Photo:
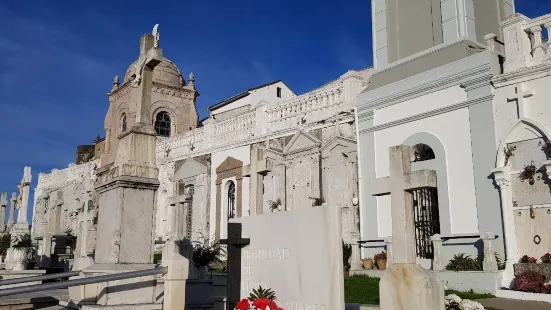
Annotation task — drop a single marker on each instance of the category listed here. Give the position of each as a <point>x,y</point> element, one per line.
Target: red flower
<point>278,308</point>
<point>242,305</point>
<point>262,303</point>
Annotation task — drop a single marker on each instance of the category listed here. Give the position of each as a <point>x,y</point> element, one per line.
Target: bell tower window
<point>162,124</point>
<point>123,123</point>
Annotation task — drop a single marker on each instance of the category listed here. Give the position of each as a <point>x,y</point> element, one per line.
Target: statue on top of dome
<point>156,35</point>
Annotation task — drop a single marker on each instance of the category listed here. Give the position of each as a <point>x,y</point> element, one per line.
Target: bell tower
<point>402,28</point>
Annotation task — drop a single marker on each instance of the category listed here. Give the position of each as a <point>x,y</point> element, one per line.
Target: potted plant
<point>205,254</point>
<point>316,202</point>
<point>368,263</point>
<point>527,260</point>
<point>546,258</point>
<point>275,205</point>
<point>5,242</point>
<point>261,299</point>
<point>380,260</point>
<point>25,246</point>
<point>528,173</point>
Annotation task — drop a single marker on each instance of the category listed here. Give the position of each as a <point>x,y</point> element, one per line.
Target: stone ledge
<point>124,307</point>
<point>509,294</point>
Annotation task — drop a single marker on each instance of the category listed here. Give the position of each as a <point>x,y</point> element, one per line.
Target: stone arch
<point>525,127</point>
<point>438,164</point>
<point>172,110</point>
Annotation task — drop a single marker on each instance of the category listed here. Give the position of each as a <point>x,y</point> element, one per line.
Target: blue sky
<point>58,60</point>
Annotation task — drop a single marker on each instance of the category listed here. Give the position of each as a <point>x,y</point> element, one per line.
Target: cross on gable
<point>399,185</point>
<point>235,242</point>
<point>520,95</point>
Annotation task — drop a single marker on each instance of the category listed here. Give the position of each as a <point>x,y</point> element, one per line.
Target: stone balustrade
<point>59,178</point>
<point>525,45</point>
<point>233,130</point>
<point>489,263</point>
<point>308,108</point>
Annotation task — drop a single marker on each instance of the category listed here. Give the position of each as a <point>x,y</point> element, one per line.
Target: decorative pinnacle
<point>191,79</point>
<point>116,82</point>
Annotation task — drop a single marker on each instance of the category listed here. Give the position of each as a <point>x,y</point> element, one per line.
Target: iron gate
<point>427,220</point>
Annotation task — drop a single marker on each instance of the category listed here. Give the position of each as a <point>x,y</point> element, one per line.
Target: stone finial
<point>191,79</point>
<point>116,83</point>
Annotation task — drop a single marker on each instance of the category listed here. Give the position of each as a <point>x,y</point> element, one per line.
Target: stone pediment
<point>301,141</point>
<point>189,168</point>
<point>229,164</point>
<point>338,143</point>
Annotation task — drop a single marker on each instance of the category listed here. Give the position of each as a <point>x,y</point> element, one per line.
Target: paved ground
<point>33,297</point>
<point>513,304</point>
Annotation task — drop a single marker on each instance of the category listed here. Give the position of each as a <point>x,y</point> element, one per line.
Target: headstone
<point>23,199</point>
<point>406,285</point>
<point>297,254</point>
<point>3,205</point>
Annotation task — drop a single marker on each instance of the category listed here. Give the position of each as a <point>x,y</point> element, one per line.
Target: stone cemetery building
<point>263,150</point>
<point>460,97</point>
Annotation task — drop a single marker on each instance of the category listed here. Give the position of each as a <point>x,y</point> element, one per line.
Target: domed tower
<point>172,105</point>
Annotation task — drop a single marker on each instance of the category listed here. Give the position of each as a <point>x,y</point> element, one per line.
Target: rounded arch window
<point>231,200</point>
<point>421,152</point>
<point>162,124</point>
<point>123,122</point>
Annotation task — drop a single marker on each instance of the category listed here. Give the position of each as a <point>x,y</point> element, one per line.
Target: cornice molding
<point>420,116</point>
<point>476,73</point>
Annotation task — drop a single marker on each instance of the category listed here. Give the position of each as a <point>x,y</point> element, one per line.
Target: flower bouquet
<point>454,302</point>
<point>261,299</point>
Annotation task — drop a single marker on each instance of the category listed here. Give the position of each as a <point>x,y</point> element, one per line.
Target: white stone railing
<point>233,130</point>
<point>525,45</point>
<point>59,178</point>
<point>307,108</point>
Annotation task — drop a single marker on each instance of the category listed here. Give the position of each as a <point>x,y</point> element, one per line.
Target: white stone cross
<point>150,57</point>
<point>23,199</point>
<point>520,95</point>
<point>399,185</point>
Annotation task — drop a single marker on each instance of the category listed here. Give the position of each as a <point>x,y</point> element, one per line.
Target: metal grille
<point>427,220</point>
<point>231,200</point>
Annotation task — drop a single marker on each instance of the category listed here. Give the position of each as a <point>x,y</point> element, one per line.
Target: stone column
<point>58,204</point>
<point>355,259</point>
<point>502,178</point>
<point>13,202</point>
<point>537,50</point>
<point>437,263</point>
<point>489,263</point>
<point>175,278</point>
<point>218,209</point>
<point>388,246</point>
<point>3,205</point>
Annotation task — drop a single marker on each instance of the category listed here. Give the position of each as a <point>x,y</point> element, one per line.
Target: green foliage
<point>346,253</point>
<point>361,289</point>
<point>23,242</point>
<point>364,290</point>
<point>5,243</point>
<point>471,295</point>
<point>205,253</point>
<point>463,262</point>
<point>157,257</point>
<point>262,293</point>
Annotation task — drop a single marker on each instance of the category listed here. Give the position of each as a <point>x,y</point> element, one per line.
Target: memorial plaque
<point>298,254</point>
<point>525,194</point>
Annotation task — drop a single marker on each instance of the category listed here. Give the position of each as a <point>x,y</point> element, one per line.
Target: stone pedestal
<point>411,287</point>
